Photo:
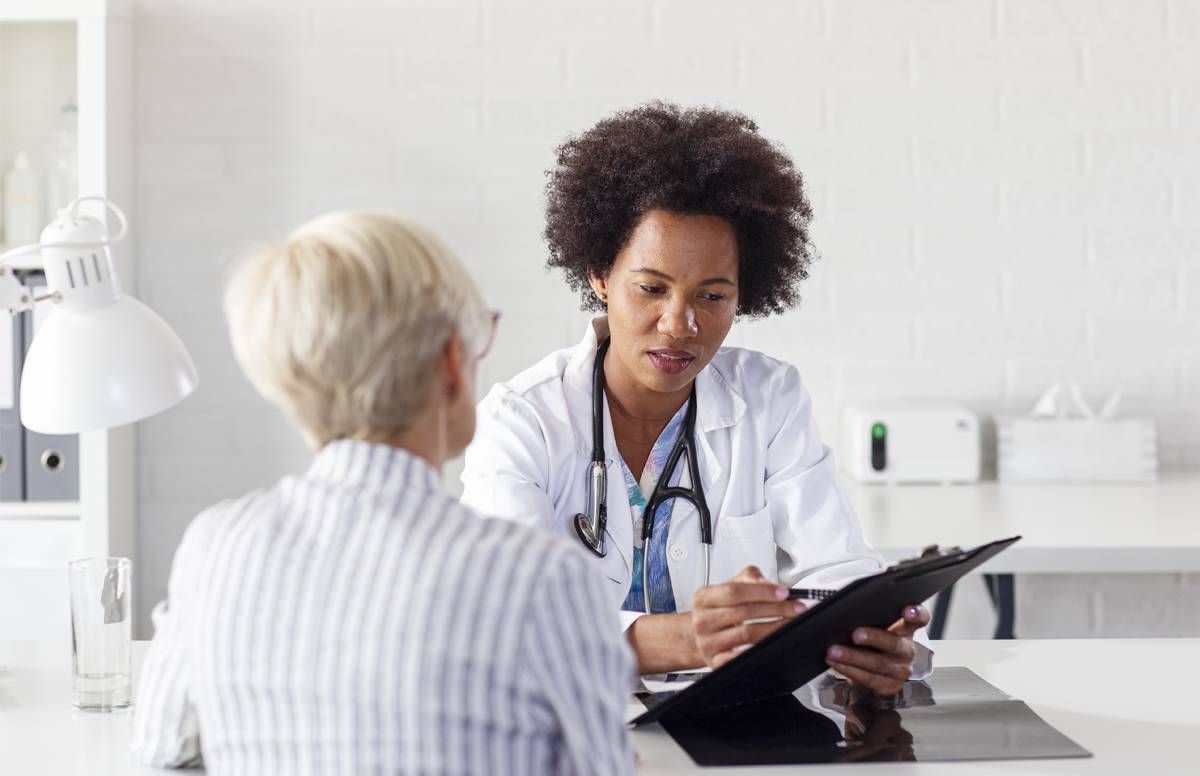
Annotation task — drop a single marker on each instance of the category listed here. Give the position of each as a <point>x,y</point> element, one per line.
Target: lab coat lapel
<point>577,380</point>
<point>718,406</point>
<point>620,514</point>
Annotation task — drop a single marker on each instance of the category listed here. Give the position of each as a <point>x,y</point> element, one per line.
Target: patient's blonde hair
<point>342,325</point>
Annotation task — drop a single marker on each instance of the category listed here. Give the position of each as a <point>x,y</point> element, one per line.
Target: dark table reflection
<point>955,716</point>
<point>783,730</point>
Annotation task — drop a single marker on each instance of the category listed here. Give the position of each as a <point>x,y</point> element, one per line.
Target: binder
<point>51,460</point>
<point>793,655</point>
<point>12,435</point>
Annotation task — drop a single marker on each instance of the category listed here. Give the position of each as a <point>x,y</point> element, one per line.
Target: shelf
<point>48,509</point>
<point>53,52</point>
<point>62,10</point>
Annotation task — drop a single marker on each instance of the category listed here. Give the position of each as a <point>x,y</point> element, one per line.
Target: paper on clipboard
<point>672,682</point>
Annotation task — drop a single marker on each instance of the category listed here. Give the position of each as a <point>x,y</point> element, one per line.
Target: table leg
<point>1001,588</point>
<point>941,609</point>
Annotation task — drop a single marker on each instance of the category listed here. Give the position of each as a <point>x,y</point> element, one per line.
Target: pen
<point>810,593</point>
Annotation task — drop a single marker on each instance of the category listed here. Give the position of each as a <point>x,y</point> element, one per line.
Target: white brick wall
<point>1006,194</point>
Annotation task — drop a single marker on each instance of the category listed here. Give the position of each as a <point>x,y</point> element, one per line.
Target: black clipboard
<point>795,654</point>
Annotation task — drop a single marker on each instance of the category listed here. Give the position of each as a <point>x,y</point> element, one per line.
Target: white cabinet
<point>53,52</point>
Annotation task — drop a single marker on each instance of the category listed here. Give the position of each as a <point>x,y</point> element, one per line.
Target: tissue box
<point>1076,450</point>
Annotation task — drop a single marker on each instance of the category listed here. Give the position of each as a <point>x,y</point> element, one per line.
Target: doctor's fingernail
<point>911,612</point>
<point>835,653</point>
<point>861,636</point>
<point>781,593</point>
<point>799,607</point>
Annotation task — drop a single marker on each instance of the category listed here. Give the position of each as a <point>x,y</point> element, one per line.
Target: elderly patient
<point>355,618</point>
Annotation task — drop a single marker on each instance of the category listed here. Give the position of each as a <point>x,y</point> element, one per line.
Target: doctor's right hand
<point>729,617</point>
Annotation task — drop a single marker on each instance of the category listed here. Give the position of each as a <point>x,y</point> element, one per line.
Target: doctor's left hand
<point>880,660</point>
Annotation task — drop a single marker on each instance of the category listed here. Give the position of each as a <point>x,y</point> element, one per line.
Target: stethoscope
<point>590,525</point>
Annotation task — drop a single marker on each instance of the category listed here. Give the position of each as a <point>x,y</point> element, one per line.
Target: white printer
<point>911,442</point>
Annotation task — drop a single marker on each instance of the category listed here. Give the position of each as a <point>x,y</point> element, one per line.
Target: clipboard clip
<point>929,553</point>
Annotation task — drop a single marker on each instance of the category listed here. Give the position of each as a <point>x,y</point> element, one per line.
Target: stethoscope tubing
<point>591,526</point>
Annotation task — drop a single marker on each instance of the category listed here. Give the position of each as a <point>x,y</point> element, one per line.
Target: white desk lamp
<point>101,358</point>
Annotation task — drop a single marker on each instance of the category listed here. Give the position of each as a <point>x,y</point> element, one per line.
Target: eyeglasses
<point>491,338</point>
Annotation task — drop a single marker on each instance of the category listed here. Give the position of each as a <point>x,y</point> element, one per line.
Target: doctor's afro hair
<point>702,161</point>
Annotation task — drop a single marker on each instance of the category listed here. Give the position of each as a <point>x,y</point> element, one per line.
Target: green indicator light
<point>878,431</point>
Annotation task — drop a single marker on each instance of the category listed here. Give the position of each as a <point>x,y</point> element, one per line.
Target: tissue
<point>1064,440</point>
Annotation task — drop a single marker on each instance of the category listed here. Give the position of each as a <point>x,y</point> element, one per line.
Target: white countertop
<point>1066,528</point>
<point>1131,702</point>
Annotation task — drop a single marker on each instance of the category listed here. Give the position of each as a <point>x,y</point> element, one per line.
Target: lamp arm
<point>73,210</point>
<point>14,297</point>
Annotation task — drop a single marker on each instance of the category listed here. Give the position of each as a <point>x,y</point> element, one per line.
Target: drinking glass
<point>100,633</point>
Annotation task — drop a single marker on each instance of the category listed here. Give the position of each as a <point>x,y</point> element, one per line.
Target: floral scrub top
<point>662,597</point>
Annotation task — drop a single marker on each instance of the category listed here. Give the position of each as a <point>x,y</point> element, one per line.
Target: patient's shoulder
<point>527,550</point>
<point>213,524</point>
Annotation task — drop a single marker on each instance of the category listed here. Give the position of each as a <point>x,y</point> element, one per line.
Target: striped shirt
<point>357,619</point>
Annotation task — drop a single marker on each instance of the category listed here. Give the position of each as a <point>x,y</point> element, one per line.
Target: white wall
<point>1006,193</point>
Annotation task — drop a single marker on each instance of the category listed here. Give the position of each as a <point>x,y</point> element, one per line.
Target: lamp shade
<point>102,367</point>
<point>100,358</point>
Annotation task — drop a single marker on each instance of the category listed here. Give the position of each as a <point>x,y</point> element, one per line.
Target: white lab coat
<point>770,482</point>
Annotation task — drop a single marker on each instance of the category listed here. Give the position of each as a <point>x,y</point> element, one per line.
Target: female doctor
<point>672,222</point>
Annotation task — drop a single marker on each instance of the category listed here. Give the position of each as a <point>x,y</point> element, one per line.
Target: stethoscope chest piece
<point>590,525</point>
<point>583,527</point>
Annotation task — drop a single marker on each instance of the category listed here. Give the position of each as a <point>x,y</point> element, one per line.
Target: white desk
<point>1129,702</point>
<point>1067,529</point>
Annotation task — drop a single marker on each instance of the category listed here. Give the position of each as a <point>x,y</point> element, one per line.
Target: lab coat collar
<point>718,404</point>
